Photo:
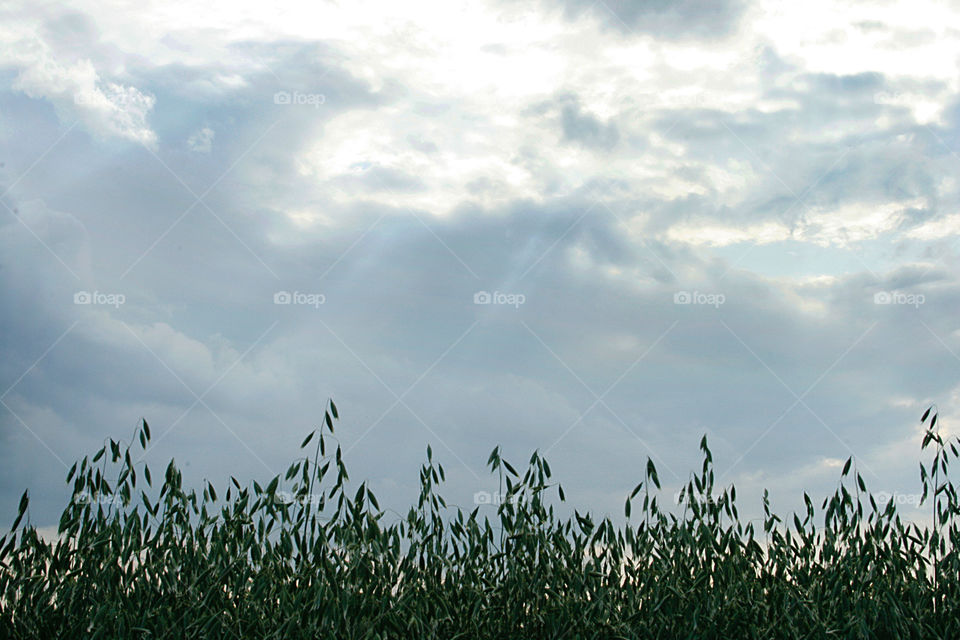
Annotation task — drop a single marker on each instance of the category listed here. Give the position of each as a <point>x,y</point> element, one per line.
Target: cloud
<point>477,147</point>
<point>75,87</point>
<point>703,19</point>
<point>202,140</point>
<point>841,227</point>
<point>107,108</point>
<point>585,128</point>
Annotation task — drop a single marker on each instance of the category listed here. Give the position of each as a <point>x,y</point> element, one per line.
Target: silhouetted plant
<point>301,558</point>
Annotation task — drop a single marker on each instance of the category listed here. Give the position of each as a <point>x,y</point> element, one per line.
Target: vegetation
<point>301,558</point>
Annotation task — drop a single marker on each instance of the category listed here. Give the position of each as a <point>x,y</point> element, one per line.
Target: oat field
<point>143,556</point>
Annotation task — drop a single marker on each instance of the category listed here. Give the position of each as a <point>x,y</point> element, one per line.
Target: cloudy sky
<point>597,229</point>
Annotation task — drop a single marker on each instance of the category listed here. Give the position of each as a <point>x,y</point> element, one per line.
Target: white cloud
<point>937,229</point>
<point>855,222</point>
<point>720,235</point>
<point>77,90</point>
<point>902,40</point>
<point>839,227</point>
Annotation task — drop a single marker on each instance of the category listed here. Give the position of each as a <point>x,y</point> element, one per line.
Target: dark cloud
<point>585,128</point>
<point>702,19</point>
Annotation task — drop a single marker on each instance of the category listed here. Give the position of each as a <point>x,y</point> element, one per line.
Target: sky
<point>600,230</point>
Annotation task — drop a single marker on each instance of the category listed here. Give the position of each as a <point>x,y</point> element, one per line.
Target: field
<point>144,557</point>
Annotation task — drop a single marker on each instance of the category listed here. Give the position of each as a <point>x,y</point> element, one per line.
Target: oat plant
<point>304,557</point>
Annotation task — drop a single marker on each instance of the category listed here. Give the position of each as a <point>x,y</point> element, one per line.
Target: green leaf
<point>307,440</point>
<point>24,501</point>
<point>652,473</point>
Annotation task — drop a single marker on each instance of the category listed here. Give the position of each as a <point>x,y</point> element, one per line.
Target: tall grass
<point>272,562</point>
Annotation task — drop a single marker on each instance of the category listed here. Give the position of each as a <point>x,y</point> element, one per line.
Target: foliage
<point>316,562</point>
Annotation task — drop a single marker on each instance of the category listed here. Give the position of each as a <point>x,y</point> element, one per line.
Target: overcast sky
<point>597,229</point>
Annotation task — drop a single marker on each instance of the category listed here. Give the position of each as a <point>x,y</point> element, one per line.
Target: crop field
<point>143,556</point>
